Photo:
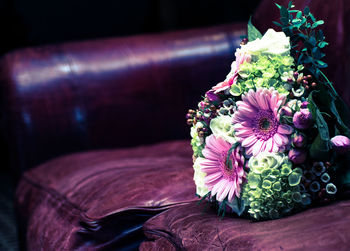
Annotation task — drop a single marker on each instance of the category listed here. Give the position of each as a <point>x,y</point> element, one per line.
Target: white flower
<point>294,104</point>
<point>267,160</point>
<point>222,127</point>
<point>198,178</point>
<point>194,134</point>
<point>275,43</point>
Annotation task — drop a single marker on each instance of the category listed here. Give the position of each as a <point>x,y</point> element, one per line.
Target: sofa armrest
<point>109,93</point>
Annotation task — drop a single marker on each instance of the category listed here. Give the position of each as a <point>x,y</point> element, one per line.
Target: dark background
<point>25,23</point>
<point>35,22</point>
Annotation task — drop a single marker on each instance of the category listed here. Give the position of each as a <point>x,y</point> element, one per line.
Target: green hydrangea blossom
<point>222,126</point>
<point>272,189</point>
<point>197,142</point>
<point>264,71</point>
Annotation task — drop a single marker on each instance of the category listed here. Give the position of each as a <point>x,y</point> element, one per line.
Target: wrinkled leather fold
<point>100,200</point>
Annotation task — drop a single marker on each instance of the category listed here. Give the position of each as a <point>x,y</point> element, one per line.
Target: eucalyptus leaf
<point>315,24</point>
<point>321,64</point>
<point>312,17</point>
<point>322,44</point>
<point>299,14</point>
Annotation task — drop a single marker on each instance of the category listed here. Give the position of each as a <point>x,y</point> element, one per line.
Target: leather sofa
<point>97,131</point>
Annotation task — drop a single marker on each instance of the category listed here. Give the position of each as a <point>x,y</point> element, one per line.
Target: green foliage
<point>323,105</point>
<point>264,71</point>
<point>307,39</point>
<point>253,33</point>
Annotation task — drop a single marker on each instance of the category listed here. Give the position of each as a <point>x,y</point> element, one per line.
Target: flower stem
<point>329,82</point>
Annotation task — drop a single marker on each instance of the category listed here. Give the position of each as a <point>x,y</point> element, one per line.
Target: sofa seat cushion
<point>190,227</point>
<point>101,198</point>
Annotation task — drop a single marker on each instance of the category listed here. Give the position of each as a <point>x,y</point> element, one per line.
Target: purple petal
<point>285,129</point>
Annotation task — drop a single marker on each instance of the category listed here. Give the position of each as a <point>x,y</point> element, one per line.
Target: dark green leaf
<point>299,14</point>
<point>321,64</point>
<point>316,114</point>
<point>301,35</point>
<point>344,130</point>
<point>316,53</point>
<point>253,33</point>
<point>312,17</point>
<point>284,20</point>
<point>306,11</point>
<point>279,6</point>
<point>314,25</point>
<point>320,35</point>
<point>287,31</point>
<point>307,59</point>
<point>296,21</point>
<point>284,12</point>
<point>320,149</point>
<point>277,23</point>
<point>312,41</point>
<point>322,44</point>
<point>290,4</point>
<point>303,20</point>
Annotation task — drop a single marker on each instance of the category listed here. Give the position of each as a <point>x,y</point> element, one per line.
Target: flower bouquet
<point>272,138</point>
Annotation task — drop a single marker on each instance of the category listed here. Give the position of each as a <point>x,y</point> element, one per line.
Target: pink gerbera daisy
<point>223,168</point>
<point>256,122</point>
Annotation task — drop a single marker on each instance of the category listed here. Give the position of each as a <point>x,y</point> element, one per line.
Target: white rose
<point>275,43</point>
<point>222,127</point>
<point>198,178</point>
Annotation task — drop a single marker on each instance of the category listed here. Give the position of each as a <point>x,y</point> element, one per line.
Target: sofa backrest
<point>109,93</point>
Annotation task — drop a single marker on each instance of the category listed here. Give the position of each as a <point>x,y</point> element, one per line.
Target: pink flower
<point>341,144</point>
<point>223,168</point>
<point>256,122</point>
<point>297,156</point>
<point>222,86</point>
<point>299,140</point>
<point>231,78</point>
<point>303,119</point>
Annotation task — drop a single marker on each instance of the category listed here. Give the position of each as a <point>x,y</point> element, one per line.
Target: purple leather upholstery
<point>191,227</point>
<point>117,93</point>
<point>109,93</point>
<point>100,199</point>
